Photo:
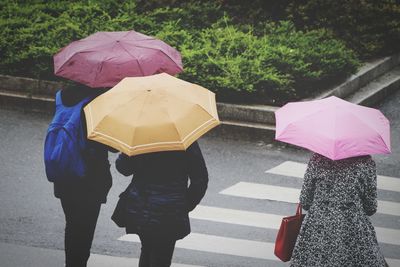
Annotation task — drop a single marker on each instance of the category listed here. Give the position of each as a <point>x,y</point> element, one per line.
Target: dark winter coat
<point>337,232</point>
<point>97,183</point>
<point>159,198</point>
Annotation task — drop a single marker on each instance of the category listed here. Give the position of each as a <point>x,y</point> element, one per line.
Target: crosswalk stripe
<point>388,236</point>
<point>248,218</point>
<point>263,191</point>
<point>289,168</point>
<point>296,169</point>
<point>220,245</point>
<point>98,260</point>
<point>393,262</point>
<point>291,195</point>
<point>270,221</point>
<point>228,246</point>
<point>388,207</point>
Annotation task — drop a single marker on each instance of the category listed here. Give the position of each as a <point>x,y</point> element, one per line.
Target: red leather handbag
<point>287,235</point>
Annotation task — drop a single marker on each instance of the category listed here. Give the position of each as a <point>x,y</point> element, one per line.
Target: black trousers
<point>157,250</point>
<point>81,218</point>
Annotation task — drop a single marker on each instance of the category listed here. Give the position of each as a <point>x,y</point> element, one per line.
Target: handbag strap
<point>299,209</point>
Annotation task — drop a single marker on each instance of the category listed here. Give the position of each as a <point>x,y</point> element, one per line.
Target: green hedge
<point>282,64</point>
<point>370,27</point>
<point>272,63</point>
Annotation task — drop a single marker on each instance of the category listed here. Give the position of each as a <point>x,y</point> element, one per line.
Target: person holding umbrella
<point>158,199</point>
<point>155,122</point>
<point>339,190</point>
<point>81,195</point>
<point>100,60</point>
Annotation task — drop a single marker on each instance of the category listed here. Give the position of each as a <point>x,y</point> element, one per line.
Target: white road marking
<point>228,246</point>
<point>289,168</point>
<point>291,195</point>
<point>221,245</point>
<point>264,250</point>
<point>393,262</point>
<point>270,221</point>
<point>296,169</point>
<point>97,260</point>
<point>248,218</point>
<point>388,207</point>
<point>388,236</point>
<point>263,191</point>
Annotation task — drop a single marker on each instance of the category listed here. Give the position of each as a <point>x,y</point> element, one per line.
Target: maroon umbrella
<point>103,59</point>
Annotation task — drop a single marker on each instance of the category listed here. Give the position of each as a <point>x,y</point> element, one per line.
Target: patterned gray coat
<point>339,196</point>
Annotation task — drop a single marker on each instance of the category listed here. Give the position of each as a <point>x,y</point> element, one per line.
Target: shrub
<point>271,64</point>
<point>283,64</point>
<point>312,59</point>
<point>31,34</point>
<point>370,27</point>
<point>190,15</point>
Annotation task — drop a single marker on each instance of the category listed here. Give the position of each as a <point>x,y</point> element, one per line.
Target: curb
<point>369,72</point>
<point>265,114</point>
<point>250,113</point>
<point>373,82</point>
<point>378,89</point>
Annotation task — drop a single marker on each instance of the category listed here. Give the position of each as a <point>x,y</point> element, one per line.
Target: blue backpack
<point>65,143</point>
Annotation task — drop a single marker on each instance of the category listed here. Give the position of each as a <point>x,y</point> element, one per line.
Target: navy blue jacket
<point>159,197</point>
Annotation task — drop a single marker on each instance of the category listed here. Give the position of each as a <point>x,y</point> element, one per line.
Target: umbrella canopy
<point>149,114</point>
<point>103,59</point>
<point>334,128</point>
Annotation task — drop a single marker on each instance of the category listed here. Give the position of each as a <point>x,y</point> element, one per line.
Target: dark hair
<point>74,92</point>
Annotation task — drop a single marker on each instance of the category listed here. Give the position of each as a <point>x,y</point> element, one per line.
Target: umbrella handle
<point>299,209</point>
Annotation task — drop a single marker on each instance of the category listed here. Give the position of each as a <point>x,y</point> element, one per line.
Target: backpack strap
<point>79,104</point>
<point>82,124</point>
<point>58,98</point>
<point>85,101</point>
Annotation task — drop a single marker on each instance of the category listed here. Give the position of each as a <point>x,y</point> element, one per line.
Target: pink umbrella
<point>103,59</point>
<point>334,128</point>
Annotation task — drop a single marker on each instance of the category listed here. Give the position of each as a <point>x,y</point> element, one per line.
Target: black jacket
<point>159,198</point>
<point>97,183</point>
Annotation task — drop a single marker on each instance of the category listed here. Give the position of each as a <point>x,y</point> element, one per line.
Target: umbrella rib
<point>210,121</point>
<point>176,129</point>
<point>127,32</point>
<point>106,58</point>
<point>86,50</point>
<point>366,121</point>
<point>213,107</point>
<point>159,144</point>
<point>363,122</point>
<point>335,133</point>
<point>156,144</point>
<point>161,52</point>
<point>101,68</point>
<point>145,37</point>
<point>138,115</point>
<point>305,117</point>
<point>140,68</point>
<point>383,141</point>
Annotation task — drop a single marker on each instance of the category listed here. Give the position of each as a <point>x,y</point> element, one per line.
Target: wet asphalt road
<point>31,216</point>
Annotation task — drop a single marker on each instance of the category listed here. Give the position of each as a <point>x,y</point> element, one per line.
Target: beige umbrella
<point>152,113</point>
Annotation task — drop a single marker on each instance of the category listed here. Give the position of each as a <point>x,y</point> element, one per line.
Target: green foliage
<point>280,65</point>
<point>191,16</point>
<point>270,63</point>
<point>370,27</point>
<point>31,34</point>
